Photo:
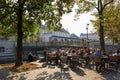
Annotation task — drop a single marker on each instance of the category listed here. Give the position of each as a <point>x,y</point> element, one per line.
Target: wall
<point>7,50</point>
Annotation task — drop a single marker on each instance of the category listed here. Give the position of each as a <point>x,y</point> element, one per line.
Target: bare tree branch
<point>98,6</point>
<point>107,3</point>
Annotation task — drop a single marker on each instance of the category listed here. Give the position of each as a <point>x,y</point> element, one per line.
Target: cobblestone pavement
<point>52,72</point>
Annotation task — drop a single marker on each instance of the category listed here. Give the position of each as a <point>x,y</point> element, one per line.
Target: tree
<point>112,27</point>
<point>111,21</point>
<point>100,5</point>
<point>21,18</point>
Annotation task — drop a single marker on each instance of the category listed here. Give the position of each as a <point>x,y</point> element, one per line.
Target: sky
<point>79,26</point>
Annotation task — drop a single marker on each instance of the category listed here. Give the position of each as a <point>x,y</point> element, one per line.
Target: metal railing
<point>55,43</point>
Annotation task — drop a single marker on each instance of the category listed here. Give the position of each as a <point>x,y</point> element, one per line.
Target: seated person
<point>49,58</point>
<point>97,53</point>
<point>30,57</point>
<point>81,54</point>
<point>74,59</point>
<point>73,53</point>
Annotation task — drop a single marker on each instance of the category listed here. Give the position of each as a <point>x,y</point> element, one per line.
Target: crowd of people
<point>84,52</point>
<point>87,55</point>
<point>75,52</point>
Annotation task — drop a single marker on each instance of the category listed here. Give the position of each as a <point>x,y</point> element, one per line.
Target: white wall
<point>9,48</point>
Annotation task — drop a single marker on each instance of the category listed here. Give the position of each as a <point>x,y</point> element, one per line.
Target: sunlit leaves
<point>111,21</point>
<point>85,5</point>
<point>34,13</point>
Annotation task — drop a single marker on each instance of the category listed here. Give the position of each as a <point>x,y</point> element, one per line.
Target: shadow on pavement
<point>4,74</point>
<point>78,71</point>
<point>111,75</point>
<point>55,76</point>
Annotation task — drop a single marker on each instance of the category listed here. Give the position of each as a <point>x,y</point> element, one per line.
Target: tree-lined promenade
<point>22,18</point>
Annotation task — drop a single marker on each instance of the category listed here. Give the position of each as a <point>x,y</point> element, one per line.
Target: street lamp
<point>87,35</point>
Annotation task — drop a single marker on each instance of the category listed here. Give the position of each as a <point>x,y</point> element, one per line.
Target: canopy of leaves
<point>35,12</point>
<point>111,21</point>
<point>85,5</point>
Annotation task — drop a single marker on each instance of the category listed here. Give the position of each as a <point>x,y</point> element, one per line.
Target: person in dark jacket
<point>30,57</point>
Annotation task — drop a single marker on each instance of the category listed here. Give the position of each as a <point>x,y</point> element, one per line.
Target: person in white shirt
<point>73,53</point>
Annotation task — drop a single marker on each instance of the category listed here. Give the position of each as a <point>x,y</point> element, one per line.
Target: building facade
<point>94,42</point>
<point>7,50</point>
<point>58,38</point>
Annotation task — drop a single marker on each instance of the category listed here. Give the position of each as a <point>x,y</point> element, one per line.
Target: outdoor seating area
<point>65,60</point>
<point>59,39</point>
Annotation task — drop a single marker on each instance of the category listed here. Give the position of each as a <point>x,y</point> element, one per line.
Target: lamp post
<point>87,35</point>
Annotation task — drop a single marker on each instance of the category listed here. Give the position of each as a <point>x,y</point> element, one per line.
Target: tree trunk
<point>102,43</point>
<point>100,9</point>
<point>101,28</point>
<point>19,56</point>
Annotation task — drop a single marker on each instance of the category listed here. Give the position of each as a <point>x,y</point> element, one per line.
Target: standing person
<point>45,52</point>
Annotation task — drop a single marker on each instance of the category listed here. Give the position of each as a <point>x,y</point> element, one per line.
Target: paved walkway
<point>51,72</point>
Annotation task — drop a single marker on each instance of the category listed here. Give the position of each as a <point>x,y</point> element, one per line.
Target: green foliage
<point>24,18</point>
<point>35,12</point>
<point>111,21</point>
<point>85,5</point>
<point>100,5</point>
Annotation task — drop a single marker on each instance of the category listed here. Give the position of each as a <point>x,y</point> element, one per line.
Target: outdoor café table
<point>73,60</point>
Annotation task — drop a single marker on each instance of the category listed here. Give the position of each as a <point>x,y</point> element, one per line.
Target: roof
<point>74,36</point>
